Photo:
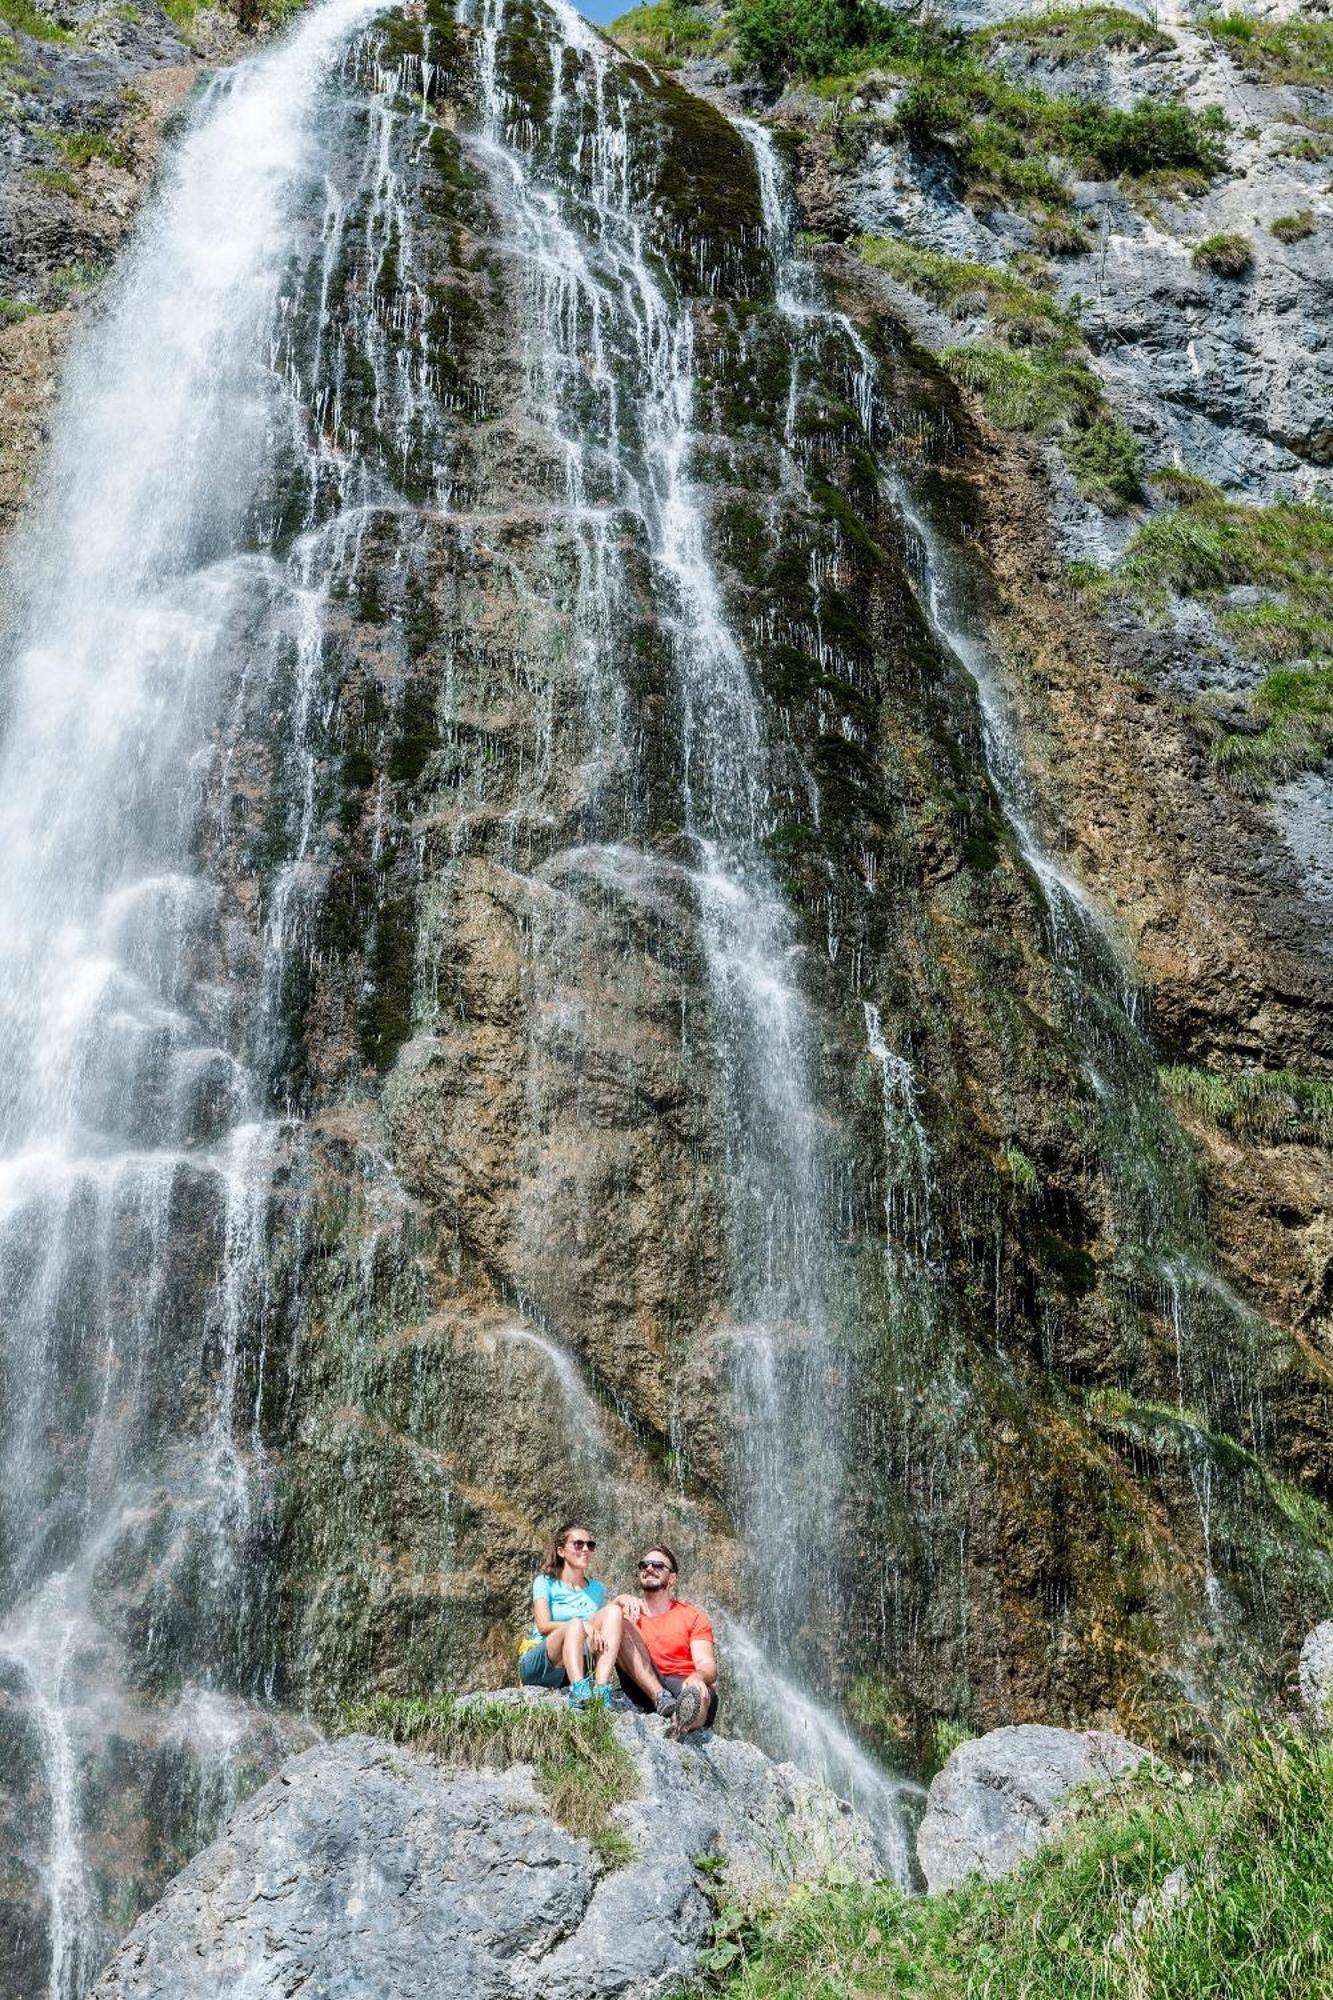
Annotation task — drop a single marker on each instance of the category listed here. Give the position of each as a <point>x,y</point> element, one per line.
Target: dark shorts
<point>536,1669</point>
<point>673,1683</point>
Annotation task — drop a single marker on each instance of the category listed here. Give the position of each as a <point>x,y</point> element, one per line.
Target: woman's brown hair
<point>553,1562</point>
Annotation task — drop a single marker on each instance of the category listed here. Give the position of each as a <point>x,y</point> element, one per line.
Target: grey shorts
<point>536,1669</point>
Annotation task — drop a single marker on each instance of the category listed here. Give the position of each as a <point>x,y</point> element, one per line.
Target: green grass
<point>579,1765</point>
<point>666,34</point>
<point>1295,51</point>
<point>1314,146</point>
<point>1210,545</point>
<point>1294,228</point>
<point>30,20</point>
<point>1064,32</point>
<point>1263,1104</point>
<point>1032,374</point>
<point>1227,256</point>
<point>1255,1921</point>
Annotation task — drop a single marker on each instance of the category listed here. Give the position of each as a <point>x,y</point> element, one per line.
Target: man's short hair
<point>661,1549</point>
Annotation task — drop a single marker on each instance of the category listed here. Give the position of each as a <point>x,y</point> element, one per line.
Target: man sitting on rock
<point>668,1657</point>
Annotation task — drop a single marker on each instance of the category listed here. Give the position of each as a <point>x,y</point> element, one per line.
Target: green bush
<point>1107,463</point>
<point>819,38</point>
<point>1254,1920</point>
<point>1227,256</point>
<point>666,34</point>
<point>30,20</point>
<point>1294,228</point>
<point>1063,32</point>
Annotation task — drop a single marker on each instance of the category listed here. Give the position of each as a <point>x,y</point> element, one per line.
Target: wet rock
<point>999,1797</point>
<point>362,1868</point>
<point>1316,1669</point>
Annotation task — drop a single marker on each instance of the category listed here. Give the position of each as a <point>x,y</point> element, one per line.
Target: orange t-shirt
<point>668,1637</point>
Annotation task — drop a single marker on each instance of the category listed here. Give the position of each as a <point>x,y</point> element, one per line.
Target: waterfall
<point>148,626</point>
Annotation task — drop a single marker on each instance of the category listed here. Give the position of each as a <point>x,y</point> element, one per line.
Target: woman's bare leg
<point>607,1624</point>
<point>564,1648</point>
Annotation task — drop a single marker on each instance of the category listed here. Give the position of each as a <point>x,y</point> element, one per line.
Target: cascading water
<point>149,629</point>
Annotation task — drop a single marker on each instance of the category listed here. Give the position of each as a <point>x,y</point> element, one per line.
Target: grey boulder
<point>999,1797</point>
<point>366,1872</point>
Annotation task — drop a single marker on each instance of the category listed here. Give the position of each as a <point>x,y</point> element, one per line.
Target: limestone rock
<point>999,1796</point>
<point>363,1870</point>
<point>1317,1670</point>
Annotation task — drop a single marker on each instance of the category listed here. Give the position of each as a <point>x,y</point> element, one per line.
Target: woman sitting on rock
<point>571,1620</point>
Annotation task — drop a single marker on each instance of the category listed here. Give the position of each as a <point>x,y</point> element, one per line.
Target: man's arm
<point>704,1654</point>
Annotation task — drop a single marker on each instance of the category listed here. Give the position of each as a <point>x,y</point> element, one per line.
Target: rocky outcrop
<point>1316,1670</point>
<point>1000,1797</point>
<point>367,1869</point>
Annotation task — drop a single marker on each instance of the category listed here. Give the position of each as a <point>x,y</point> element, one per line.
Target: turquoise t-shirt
<point>564,1603</point>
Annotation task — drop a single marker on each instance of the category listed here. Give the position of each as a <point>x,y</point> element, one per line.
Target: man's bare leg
<point>635,1660</point>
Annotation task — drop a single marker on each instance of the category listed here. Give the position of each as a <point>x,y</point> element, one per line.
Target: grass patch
<point>1254,1918</point>
<point>1066,32</point>
<point>1314,146</point>
<point>666,34</point>
<point>1295,51</point>
<point>1210,545</point>
<point>30,20</point>
<point>580,1766</point>
<point>1225,255</point>
<point>1265,1104</point>
<point>1033,374</point>
<point>1294,228</point>
<point>14,310</point>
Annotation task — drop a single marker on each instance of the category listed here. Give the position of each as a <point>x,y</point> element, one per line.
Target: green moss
<point>80,147</point>
<point>1074,1270</point>
<point>56,180</point>
<point>1277,1105</point>
<point>384,1018</point>
<point>1228,256</point>
<point>1294,228</point>
<point>579,1765</point>
<point>1299,50</point>
<point>13,310</point>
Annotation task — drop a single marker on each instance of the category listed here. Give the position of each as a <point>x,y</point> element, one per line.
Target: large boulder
<point>1316,1672</point>
<point>366,1872</point>
<point>999,1797</point>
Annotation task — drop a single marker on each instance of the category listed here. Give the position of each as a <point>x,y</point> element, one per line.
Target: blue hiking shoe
<point>580,1693</point>
<point>601,1698</point>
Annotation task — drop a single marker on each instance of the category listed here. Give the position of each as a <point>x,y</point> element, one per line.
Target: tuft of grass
<point>1278,1105</point>
<point>1042,392</point>
<point>1294,228</point>
<point>1178,483</point>
<point>30,20</point>
<point>1086,1918</point>
<point>1226,255</point>
<point>1063,236</point>
<point>1310,146</point>
<point>579,1764</point>
<point>14,310</point>
<point>1026,1180</point>
<point>1296,51</point>
<point>1294,710</point>
<point>1210,545</point>
<point>1025,316</point>
<point>1062,33</point>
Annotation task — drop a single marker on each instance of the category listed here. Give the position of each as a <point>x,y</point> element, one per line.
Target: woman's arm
<point>541,1612</point>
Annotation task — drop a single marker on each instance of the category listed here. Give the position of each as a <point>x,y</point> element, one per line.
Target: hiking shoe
<point>601,1698</point>
<point>687,1708</point>
<point>580,1693</point>
<point>666,1704</point>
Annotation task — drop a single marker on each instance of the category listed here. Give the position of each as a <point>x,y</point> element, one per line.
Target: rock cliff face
<point>647,1044</point>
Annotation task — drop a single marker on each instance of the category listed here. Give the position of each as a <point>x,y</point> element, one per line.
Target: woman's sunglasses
<point>577,1542</point>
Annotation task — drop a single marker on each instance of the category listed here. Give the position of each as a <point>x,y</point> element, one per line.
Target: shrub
<point>667,33</point>
<point>1107,463</point>
<point>1294,228</point>
<point>1176,483</point>
<point>1063,236</point>
<point>819,38</point>
<point>30,20</point>
<point>1148,138</point>
<point>1227,256</point>
<point>579,1764</point>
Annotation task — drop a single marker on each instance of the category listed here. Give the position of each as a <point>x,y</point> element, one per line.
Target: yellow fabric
<point>523,1644</point>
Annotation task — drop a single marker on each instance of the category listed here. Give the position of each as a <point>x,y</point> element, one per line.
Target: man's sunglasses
<point>577,1542</point>
<point>664,1567</point>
